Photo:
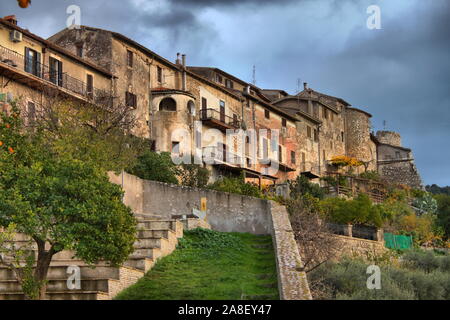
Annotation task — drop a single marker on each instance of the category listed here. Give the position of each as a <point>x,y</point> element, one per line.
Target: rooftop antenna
<point>254,75</point>
<point>299,85</point>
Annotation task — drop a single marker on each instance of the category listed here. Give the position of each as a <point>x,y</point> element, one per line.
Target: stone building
<point>34,71</point>
<point>396,163</point>
<point>170,97</point>
<point>235,127</point>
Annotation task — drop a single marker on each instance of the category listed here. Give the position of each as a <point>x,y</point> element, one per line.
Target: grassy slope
<point>209,265</point>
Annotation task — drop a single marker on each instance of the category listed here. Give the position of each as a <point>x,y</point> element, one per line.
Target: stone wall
<point>228,213</point>
<point>225,212</point>
<point>292,281</point>
<point>360,247</point>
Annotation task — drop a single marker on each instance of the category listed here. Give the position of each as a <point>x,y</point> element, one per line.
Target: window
<point>33,62</point>
<point>284,122</point>
<point>249,163</point>
<point>293,157</point>
<point>342,136</point>
<point>219,78</point>
<point>265,148</point>
<point>316,135</point>
<point>153,145</point>
<point>175,147</point>
<point>325,113</point>
<point>129,58</point>
<point>229,83</point>
<point>267,114</point>
<point>160,74</point>
<point>198,139</point>
<point>167,104</point>
<point>332,116</point>
<point>331,145</point>
<point>56,74</point>
<point>397,155</point>
<point>308,132</point>
<point>31,112</point>
<point>90,86</point>
<point>130,99</point>
<point>280,154</point>
<point>80,50</point>
<point>191,107</point>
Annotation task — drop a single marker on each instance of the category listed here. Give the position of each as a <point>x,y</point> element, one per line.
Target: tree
<point>315,240</point>
<point>302,186</point>
<point>59,202</point>
<point>155,166</point>
<point>99,133</point>
<point>443,213</point>
<point>193,175</point>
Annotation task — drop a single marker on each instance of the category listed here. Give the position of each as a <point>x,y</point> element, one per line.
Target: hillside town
<point>127,175</point>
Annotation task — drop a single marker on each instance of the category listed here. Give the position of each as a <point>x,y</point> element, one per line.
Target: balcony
<point>310,170</point>
<point>16,67</point>
<point>217,156</point>
<point>219,120</point>
<point>231,162</point>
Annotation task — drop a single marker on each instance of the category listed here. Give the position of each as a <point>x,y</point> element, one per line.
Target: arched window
<point>167,104</point>
<point>191,107</point>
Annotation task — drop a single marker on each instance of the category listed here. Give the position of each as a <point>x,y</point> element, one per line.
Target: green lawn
<point>210,265</point>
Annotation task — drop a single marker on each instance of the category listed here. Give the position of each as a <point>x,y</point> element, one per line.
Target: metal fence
<point>400,242</point>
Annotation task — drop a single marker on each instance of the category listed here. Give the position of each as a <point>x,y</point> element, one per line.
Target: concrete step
<point>164,233</point>
<point>60,272</point>
<point>140,264</point>
<point>60,285</point>
<point>153,254</point>
<point>148,216</point>
<point>174,225</point>
<point>84,295</point>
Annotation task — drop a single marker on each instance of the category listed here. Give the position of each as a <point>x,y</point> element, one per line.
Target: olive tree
<point>60,203</point>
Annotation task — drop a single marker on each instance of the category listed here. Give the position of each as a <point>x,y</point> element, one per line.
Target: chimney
<point>178,61</point>
<point>305,85</point>
<point>11,19</point>
<point>184,76</point>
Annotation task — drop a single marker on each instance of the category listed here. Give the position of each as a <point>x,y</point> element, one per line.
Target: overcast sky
<point>400,73</point>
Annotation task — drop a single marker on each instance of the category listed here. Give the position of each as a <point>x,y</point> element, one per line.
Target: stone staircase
<point>156,238</point>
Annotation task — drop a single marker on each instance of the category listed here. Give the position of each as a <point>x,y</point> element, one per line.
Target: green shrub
<point>357,211</point>
<point>237,186</point>
<point>193,175</point>
<point>370,175</point>
<point>156,167</point>
<point>347,279</point>
<point>302,186</point>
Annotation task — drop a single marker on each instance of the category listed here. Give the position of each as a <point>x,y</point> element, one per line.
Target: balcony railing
<point>216,155</point>
<point>219,119</point>
<point>44,72</point>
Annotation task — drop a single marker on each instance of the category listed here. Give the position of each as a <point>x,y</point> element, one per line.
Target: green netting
<point>393,241</point>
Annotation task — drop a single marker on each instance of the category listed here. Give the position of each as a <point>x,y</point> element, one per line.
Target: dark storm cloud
<point>229,3</point>
<point>400,74</point>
